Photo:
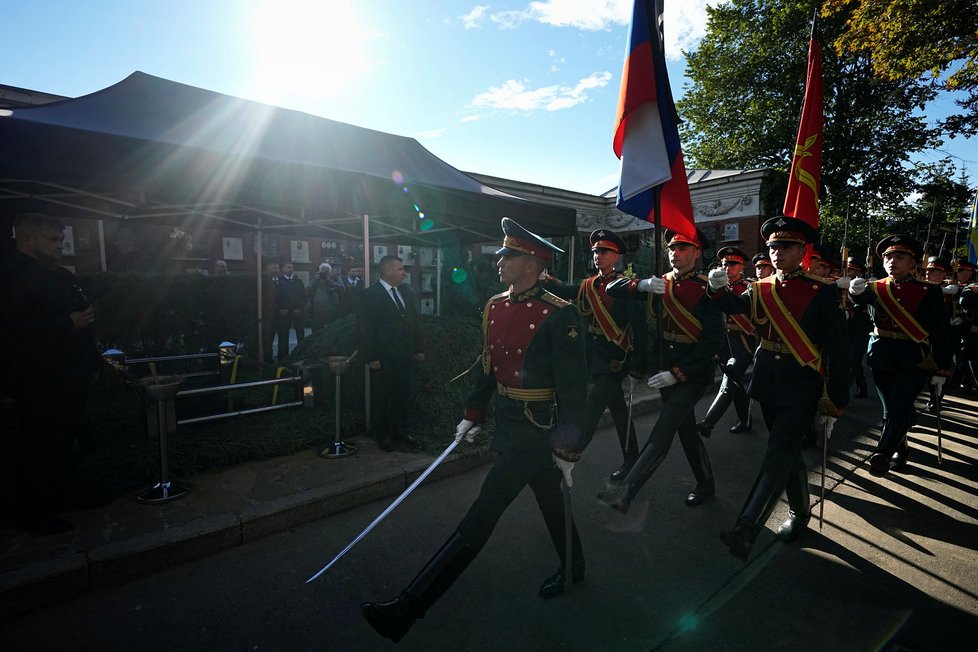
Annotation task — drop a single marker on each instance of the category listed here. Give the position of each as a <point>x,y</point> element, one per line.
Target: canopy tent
<point>154,150</point>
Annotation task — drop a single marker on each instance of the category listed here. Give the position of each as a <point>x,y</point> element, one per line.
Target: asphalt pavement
<point>893,566</point>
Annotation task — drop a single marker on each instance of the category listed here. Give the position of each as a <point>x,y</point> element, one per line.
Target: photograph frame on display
<point>379,252</point>
<point>269,246</point>
<point>69,241</point>
<point>299,251</point>
<point>232,248</point>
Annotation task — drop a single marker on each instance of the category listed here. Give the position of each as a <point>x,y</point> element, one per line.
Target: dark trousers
<point>786,426</point>
<point>506,479</point>
<point>284,323</point>
<point>49,419</point>
<point>677,416</point>
<point>390,393</point>
<point>606,392</point>
<point>897,390</point>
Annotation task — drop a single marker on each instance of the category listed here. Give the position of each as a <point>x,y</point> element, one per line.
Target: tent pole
<point>438,268</point>
<point>366,283</point>
<point>261,338</point>
<point>570,261</point>
<point>101,244</point>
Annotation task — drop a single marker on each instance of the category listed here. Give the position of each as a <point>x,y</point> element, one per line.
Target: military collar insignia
<point>790,275</point>
<point>526,294</point>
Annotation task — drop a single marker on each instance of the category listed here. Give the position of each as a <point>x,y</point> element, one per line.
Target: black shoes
<point>43,524</point>
<point>739,540</point>
<point>554,585</point>
<point>699,495</point>
<point>740,426</point>
<point>704,429</point>
<point>879,465</point>
<point>619,474</point>
<point>793,526</point>
<point>391,619</point>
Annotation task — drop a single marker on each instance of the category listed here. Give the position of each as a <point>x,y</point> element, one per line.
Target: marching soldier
<point>533,367</point>
<point>692,334</point>
<point>800,369</point>
<point>968,314</point>
<point>739,351</point>
<point>936,272</point>
<point>859,324</point>
<point>966,272</point>
<point>823,262</point>
<point>762,265</point>
<point>910,343</point>
<point>617,339</point>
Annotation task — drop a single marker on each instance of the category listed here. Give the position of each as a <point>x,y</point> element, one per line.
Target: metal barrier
<point>296,380</point>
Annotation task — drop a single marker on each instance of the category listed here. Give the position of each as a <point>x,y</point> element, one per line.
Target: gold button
<point>532,326</point>
<point>777,357</point>
<point>529,304</point>
<point>519,350</point>
<point>546,310</point>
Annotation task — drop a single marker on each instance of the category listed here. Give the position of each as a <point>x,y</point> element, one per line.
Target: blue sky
<point>523,90</point>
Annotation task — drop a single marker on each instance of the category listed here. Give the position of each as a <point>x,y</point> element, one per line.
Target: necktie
<point>397,299</point>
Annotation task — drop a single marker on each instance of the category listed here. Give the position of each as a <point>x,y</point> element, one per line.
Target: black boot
<point>699,461</point>
<point>898,462</point>
<point>862,390</point>
<point>760,502</point>
<point>744,421</point>
<point>629,454</point>
<point>719,406</point>
<point>394,619</point>
<point>799,504</point>
<point>554,585</point>
<point>621,497</point>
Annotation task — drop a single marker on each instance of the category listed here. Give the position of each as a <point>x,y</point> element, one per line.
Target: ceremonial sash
<point>615,334</point>
<point>899,314</point>
<point>678,313</point>
<point>788,327</point>
<point>743,322</point>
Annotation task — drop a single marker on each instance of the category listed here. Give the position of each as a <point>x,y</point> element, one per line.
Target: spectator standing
<point>220,268</point>
<point>269,288</point>
<point>51,361</point>
<point>389,333</point>
<point>290,303</point>
<point>323,298</point>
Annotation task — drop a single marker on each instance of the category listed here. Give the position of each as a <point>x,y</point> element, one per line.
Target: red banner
<point>801,201</point>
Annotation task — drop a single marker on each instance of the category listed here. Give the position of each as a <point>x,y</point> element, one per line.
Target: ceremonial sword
<point>940,434</point>
<point>568,534</point>
<point>387,511</point>
<point>825,458</point>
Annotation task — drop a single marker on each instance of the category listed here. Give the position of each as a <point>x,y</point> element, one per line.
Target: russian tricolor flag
<point>646,134</point>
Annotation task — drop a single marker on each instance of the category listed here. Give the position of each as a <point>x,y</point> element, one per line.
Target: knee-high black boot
<point>742,404</point>
<point>699,461</point>
<point>799,503</point>
<point>554,585</point>
<point>629,453</point>
<point>758,507</point>
<point>862,390</point>
<point>621,496</point>
<point>719,406</point>
<point>394,619</point>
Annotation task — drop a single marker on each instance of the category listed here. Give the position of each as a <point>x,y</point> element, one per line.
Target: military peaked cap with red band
<point>964,263</point>
<point>900,242</point>
<point>783,230</point>
<point>852,263</point>
<point>518,241</point>
<point>823,253</point>
<point>676,238</point>
<point>762,258</point>
<point>733,253</point>
<point>936,262</point>
<point>605,239</point>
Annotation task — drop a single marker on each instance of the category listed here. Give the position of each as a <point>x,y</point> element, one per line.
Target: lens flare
<point>397,177</point>
<point>459,275</point>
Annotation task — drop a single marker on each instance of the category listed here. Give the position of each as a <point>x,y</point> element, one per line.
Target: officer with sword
<point>533,368</point>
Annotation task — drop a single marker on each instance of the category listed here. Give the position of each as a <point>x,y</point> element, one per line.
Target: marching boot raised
<point>758,507</point>
<point>394,619</point>
<point>629,454</point>
<point>620,497</point>
<point>799,504</point>
<point>719,406</point>
<point>744,421</point>
<point>699,461</point>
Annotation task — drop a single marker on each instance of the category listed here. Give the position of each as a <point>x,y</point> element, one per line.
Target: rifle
<point>845,251</point>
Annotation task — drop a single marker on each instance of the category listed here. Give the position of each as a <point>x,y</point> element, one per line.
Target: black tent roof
<point>155,150</point>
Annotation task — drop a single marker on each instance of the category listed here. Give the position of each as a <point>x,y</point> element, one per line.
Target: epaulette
<point>702,278</point>
<point>498,297</point>
<point>554,300</point>
<point>820,279</point>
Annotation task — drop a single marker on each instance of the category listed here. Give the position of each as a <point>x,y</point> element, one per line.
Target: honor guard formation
<point>791,339</point>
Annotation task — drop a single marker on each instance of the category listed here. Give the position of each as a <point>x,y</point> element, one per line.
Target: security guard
<point>533,367</point>
<point>738,354</point>
<point>692,334</point>
<point>762,265</point>
<point>800,369</point>
<point>617,339</point>
<point>910,343</point>
<point>859,324</point>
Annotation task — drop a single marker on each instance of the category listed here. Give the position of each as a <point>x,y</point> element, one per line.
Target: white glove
<point>662,379</point>
<point>827,423</point>
<point>718,279</point>
<point>872,279</point>
<point>565,468</point>
<point>466,429</point>
<point>937,382</point>
<point>950,289</point>
<point>957,321</point>
<point>843,282</point>
<point>857,286</point>
<point>653,284</point>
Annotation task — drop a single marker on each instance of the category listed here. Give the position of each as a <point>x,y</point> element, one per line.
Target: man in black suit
<point>290,303</point>
<point>389,333</point>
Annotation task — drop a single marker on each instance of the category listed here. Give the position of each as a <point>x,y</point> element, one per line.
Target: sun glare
<point>307,49</point>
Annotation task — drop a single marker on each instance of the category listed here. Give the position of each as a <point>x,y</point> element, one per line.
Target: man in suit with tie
<point>389,331</point>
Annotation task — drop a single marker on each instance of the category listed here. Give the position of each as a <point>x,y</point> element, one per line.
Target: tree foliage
<point>744,101</point>
<point>907,39</point>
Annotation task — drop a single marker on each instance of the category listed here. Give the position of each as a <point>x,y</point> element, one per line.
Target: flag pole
<point>657,267</point>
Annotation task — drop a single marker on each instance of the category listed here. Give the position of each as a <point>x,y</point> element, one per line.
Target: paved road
<point>895,562</point>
